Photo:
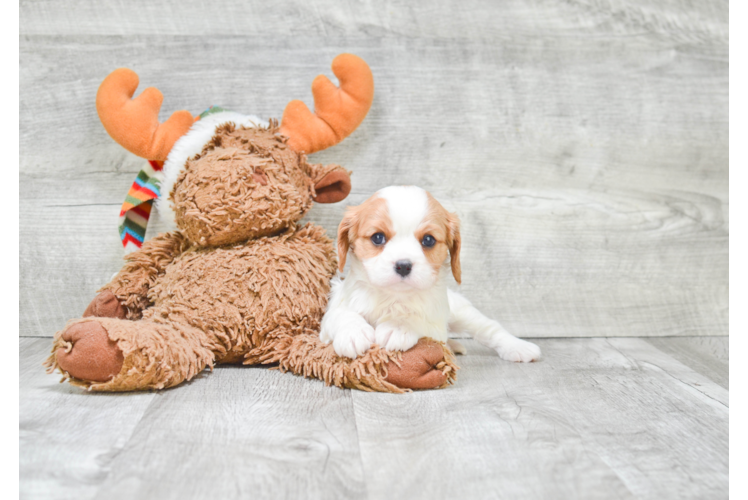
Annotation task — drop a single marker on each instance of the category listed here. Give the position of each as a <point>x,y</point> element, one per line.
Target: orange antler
<point>337,111</point>
<point>133,123</point>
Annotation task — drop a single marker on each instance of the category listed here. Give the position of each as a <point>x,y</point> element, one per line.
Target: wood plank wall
<point>584,144</point>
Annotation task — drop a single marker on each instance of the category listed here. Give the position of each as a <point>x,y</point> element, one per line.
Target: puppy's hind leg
<point>464,317</point>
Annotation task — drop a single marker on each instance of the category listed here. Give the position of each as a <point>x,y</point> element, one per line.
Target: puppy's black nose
<point>403,267</point>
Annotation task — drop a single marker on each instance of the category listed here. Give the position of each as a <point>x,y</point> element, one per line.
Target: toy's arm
<point>127,294</point>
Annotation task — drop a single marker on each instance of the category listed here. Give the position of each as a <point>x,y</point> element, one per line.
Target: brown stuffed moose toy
<point>239,281</point>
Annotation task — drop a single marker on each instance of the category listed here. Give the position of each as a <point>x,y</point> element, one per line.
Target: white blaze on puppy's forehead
<point>407,205</point>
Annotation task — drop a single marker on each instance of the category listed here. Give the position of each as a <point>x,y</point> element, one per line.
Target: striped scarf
<point>136,210</point>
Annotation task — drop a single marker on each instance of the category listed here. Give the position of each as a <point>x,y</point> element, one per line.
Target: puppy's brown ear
<point>454,242</point>
<point>346,233</point>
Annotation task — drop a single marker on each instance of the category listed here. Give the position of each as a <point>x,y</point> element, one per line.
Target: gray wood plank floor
<point>596,418</point>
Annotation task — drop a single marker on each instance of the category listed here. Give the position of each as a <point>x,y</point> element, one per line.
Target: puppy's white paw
<point>518,350</point>
<point>456,346</point>
<point>351,335</point>
<point>393,337</point>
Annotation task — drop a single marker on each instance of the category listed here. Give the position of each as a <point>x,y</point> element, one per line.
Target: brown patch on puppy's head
<point>444,227</point>
<point>359,224</point>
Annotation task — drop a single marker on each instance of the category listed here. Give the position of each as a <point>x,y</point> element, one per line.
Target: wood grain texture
<point>595,418</point>
<point>583,144</point>
<point>687,20</point>
<point>230,433</point>
<point>708,356</point>
<point>242,432</point>
<point>68,438</point>
<point>739,374</point>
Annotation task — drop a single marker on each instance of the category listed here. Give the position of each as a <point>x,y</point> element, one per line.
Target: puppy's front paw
<point>393,337</point>
<point>351,336</point>
<point>518,350</point>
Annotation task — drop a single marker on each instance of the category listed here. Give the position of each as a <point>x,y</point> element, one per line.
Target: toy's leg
<point>427,365</point>
<point>111,354</point>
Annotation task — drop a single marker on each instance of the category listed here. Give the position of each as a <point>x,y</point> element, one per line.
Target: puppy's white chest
<point>423,313</point>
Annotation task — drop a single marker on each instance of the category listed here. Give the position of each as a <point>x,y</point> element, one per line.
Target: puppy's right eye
<point>378,239</point>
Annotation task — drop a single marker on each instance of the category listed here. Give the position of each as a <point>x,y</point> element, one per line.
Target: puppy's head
<point>402,236</point>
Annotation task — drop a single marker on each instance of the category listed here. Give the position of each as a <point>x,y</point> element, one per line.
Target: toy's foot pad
<point>419,367</point>
<point>105,305</point>
<point>89,354</point>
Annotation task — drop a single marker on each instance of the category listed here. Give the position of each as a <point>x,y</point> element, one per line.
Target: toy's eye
<point>428,241</point>
<point>378,239</point>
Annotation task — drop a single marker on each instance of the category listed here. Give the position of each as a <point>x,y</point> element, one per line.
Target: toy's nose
<point>403,267</point>
<point>260,177</point>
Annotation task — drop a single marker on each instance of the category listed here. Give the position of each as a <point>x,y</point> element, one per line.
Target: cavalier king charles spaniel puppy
<point>403,245</point>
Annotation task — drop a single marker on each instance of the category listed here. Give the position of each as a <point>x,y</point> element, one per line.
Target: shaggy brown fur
<point>239,282</point>
<point>221,201</point>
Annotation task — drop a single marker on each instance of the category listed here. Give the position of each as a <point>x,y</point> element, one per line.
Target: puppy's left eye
<point>428,241</point>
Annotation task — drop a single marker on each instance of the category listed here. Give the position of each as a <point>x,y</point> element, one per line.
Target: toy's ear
<point>346,233</point>
<point>332,183</point>
<point>454,241</point>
